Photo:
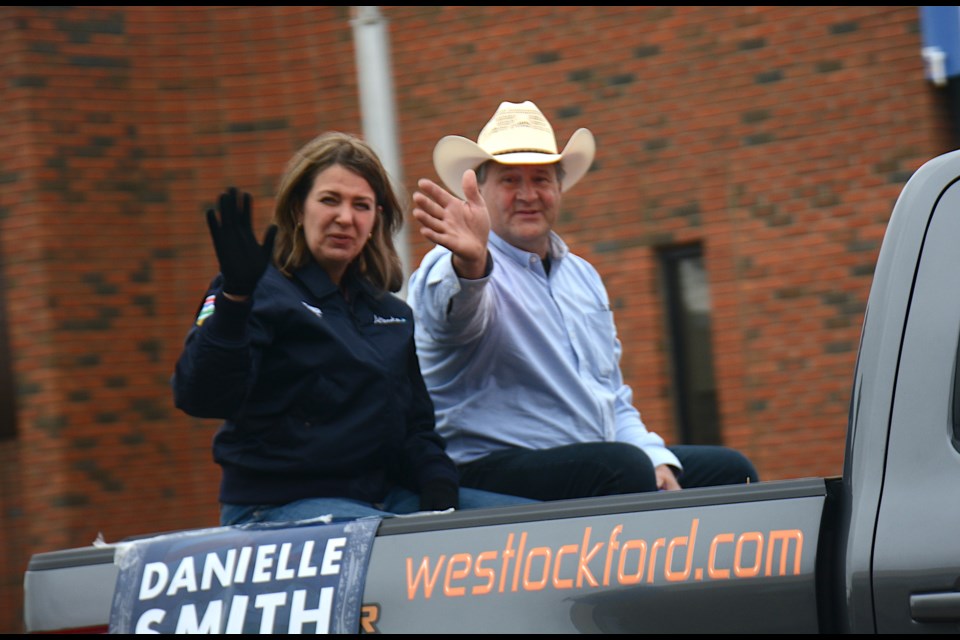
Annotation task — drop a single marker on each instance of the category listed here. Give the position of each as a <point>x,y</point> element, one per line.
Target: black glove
<point>242,260</point>
<point>439,495</point>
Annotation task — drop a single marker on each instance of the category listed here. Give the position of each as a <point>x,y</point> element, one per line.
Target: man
<point>515,334</point>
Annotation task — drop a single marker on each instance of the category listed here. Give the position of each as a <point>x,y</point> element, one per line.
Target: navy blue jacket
<point>322,395</point>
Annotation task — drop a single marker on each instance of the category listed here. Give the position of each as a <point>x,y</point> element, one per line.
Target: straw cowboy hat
<point>516,134</point>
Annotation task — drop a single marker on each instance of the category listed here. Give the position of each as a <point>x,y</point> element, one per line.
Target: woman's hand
<point>242,260</point>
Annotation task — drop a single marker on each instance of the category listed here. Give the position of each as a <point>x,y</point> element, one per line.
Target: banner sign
<point>265,578</point>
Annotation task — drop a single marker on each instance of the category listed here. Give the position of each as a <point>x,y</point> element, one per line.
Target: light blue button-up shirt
<point>521,358</point>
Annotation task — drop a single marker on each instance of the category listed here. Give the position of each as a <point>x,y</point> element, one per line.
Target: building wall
<point>778,137</point>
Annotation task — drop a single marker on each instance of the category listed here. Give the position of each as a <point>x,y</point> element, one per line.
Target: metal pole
<point>377,103</point>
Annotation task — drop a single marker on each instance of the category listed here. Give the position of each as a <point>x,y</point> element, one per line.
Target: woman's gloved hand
<point>242,259</point>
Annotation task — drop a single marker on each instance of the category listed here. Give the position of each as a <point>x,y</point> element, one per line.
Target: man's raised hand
<point>462,226</point>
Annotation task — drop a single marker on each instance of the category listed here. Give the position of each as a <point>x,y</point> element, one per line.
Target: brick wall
<point>778,137</point>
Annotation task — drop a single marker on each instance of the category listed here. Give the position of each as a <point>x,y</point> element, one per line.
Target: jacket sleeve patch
<point>206,310</point>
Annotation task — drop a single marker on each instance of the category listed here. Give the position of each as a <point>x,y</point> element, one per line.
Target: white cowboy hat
<point>516,134</point>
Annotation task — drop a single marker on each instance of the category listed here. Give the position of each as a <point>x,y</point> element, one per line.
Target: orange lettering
<point>712,571</point>
<point>557,582</point>
<point>657,544</point>
<point>612,546</point>
<point>627,562</point>
<point>508,554</point>
<point>785,537</point>
<point>622,576</point>
<point>484,572</point>
<point>528,584</point>
<point>748,572</point>
<point>456,574</point>
<point>681,541</point>
<point>516,567</point>
<point>583,567</point>
<point>422,572</point>
<point>369,614</point>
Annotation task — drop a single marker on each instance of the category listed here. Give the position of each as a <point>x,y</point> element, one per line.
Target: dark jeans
<point>599,469</point>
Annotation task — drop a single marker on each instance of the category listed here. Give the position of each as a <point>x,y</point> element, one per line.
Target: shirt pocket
<point>598,342</point>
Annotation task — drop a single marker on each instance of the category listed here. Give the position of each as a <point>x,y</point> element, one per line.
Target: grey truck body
<point>876,550</point>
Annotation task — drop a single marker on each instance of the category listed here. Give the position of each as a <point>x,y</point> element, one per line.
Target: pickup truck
<point>876,550</point>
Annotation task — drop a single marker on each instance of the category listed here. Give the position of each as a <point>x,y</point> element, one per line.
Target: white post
<point>377,103</point>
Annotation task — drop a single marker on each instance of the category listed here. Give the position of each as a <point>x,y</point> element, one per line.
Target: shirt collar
<point>558,249</point>
<point>315,278</point>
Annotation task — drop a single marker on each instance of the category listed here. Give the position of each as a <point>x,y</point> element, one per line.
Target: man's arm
<point>630,427</point>
<point>448,293</point>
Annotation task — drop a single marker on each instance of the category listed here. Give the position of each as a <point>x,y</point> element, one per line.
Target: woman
<point>301,348</point>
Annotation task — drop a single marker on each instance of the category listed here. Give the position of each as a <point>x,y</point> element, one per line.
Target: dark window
<point>688,315</point>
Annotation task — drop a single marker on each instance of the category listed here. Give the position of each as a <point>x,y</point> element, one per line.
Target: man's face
<point>523,201</point>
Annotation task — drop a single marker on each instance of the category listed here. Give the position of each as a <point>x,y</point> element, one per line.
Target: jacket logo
<point>312,308</point>
<point>392,320</point>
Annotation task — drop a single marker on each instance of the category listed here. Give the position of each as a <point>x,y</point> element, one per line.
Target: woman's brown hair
<point>378,260</point>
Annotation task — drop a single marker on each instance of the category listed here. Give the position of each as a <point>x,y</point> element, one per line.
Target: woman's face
<point>338,217</point>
